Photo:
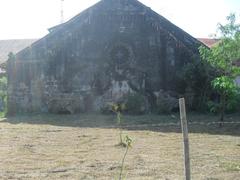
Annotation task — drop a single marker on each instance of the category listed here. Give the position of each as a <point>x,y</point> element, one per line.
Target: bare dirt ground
<point>85,147</point>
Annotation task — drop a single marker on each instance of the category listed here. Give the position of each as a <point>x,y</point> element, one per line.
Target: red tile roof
<point>208,41</point>
<point>211,42</point>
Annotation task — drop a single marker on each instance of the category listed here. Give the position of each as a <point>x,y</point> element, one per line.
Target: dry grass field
<point>85,147</point>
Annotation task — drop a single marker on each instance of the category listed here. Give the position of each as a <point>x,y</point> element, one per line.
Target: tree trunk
<point>222,109</point>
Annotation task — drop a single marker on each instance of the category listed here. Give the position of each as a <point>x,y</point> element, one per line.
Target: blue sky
<point>31,18</point>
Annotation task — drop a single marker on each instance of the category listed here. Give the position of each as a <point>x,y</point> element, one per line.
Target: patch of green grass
<point>231,166</point>
<point>2,114</point>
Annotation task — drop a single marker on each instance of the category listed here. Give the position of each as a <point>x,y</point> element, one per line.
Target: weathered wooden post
<point>185,138</point>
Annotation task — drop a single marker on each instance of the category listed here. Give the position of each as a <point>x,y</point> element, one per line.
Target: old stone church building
<point>114,48</point>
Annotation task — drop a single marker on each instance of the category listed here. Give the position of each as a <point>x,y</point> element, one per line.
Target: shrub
<point>213,107</point>
<point>165,103</point>
<point>232,106</point>
<point>136,104</point>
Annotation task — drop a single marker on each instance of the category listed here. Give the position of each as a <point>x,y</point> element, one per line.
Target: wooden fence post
<point>185,138</point>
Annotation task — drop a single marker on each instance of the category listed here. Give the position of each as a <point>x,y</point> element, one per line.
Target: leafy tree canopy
<point>224,57</point>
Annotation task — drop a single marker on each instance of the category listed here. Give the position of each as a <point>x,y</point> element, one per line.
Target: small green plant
<point>117,109</point>
<point>128,144</point>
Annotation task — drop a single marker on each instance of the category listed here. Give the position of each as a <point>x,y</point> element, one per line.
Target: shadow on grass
<point>167,123</point>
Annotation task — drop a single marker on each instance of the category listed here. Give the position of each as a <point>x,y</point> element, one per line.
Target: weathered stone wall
<point>106,52</point>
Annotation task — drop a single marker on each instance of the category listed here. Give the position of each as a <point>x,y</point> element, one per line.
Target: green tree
<point>3,94</point>
<point>3,85</point>
<point>223,58</point>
